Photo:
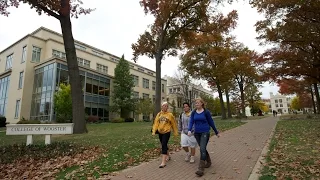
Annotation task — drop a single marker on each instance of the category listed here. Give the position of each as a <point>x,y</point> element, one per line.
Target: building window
<point>281,105</point>
<point>280,100</point>
<point>140,69</point>
<point>162,88</point>
<point>145,83</point>
<point>24,54</point>
<point>20,80</point>
<point>153,98</point>
<point>83,62</point>
<point>153,85</point>
<point>135,95</point>
<point>36,52</point>
<point>97,53</point>
<point>4,87</point>
<point>170,90</point>
<point>114,59</point>
<point>16,114</point>
<point>179,102</point>
<point>145,96</point>
<point>102,68</point>
<point>276,101</point>
<point>9,62</point>
<point>80,47</point>
<point>59,54</point>
<point>136,80</point>
<point>277,105</point>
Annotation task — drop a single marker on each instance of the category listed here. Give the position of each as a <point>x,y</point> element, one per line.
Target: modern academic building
<point>32,69</point>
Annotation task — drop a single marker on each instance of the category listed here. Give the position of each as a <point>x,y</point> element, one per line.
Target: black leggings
<point>164,139</point>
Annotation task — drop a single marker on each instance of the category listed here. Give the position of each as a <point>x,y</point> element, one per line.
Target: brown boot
<point>208,161</point>
<point>200,168</point>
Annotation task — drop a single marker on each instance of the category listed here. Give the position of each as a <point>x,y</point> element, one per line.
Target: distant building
<point>180,92</point>
<point>280,103</point>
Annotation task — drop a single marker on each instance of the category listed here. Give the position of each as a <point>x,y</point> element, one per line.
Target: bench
<point>39,129</point>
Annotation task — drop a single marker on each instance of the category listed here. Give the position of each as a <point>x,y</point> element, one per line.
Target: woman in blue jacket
<point>202,121</point>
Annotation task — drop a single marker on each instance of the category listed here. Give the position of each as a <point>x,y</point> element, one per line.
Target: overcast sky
<point>115,25</point>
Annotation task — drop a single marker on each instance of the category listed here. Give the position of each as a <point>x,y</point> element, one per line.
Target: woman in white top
<point>187,142</point>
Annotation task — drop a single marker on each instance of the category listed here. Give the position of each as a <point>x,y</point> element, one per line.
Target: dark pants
<point>202,139</point>
<point>164,139</point>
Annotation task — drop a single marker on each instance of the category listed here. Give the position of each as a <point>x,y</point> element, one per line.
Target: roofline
<point>82,43</point>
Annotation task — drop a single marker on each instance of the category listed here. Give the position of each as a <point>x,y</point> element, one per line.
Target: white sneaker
<point>191,159</point>
<point>187,158</point>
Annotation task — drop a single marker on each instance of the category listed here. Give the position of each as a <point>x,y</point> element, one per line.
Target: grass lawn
<point>294,151</point>
<point>126,144</point>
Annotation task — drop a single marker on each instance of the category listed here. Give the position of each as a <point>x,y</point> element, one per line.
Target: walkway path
<point>234,155</point>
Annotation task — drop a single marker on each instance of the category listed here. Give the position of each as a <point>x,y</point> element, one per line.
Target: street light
<point>190,95</point>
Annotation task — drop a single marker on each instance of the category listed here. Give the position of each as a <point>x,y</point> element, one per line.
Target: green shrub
<point>117,120</point>
<point>129,119</point>
<point>25,121</point>
<point>3,121</point>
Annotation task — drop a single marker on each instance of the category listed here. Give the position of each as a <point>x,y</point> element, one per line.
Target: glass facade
<point>96,90</point>
<point>41,108</point>
<point>4,86</point>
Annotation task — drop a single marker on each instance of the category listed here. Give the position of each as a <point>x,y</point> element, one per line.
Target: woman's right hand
<point>189,133</point>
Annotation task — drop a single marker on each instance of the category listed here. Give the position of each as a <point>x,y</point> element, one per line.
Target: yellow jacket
<point>164,122</point>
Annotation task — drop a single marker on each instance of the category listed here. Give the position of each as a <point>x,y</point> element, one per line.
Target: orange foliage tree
<point>174,20</point>
<point>242,68</point>
<point>62,10</point>
<point>209,51</point>
<point>293,28</point>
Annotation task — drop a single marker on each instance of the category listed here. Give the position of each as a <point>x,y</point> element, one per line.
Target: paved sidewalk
<point>234,155</point>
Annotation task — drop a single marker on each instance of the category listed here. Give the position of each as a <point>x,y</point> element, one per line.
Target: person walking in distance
<point>202,121</point>
<point>187,141</point>
<point>163,124</point>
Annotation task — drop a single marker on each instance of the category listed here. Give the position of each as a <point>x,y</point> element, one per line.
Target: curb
<point>255,174</point>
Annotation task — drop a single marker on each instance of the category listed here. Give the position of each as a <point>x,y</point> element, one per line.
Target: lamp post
<point>190,96</point>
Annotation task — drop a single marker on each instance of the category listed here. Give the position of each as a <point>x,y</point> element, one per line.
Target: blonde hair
<point>164,103</point>
<point>201,100</point>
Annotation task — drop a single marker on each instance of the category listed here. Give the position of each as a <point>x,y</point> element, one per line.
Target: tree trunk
<point>73,70</point>
<point>313,101</point>
<point>243,108</point>
<point>316,91</point>
<point>223,111</point>
<point>228,104</point>
<point>158,57</point>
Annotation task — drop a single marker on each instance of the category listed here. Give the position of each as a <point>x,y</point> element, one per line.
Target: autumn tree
<point>209,103</point>
<point>243,70</point>
<point>144,106</point>
<point>122,100</point>
<point>253,97</point>
<point>62,10</point>
<point>173,22</point>
<point>292,27</point>
<point>208,52</point>
<point>295,103</point>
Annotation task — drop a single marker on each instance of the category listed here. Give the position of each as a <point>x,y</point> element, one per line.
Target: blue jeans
<point>203,139</point>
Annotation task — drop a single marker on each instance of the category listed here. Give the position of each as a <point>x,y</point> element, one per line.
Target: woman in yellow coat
<point>163,124</point>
